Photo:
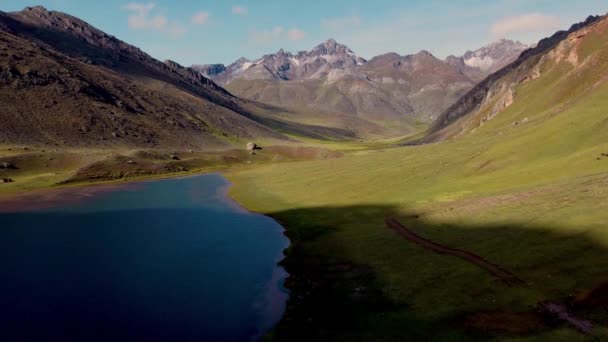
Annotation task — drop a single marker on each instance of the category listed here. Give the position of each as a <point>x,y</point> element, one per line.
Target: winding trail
<point>561,312</point>
<point>507,277</point>
<point>558,311</point>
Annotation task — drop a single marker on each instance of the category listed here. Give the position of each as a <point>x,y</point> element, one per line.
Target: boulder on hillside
<point>251,146</point>
<point>7,165</point>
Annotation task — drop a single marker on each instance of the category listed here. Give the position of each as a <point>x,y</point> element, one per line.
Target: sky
<point>221,31</point>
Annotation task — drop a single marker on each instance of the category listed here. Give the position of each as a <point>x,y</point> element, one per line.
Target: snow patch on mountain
<point>245,66</point>
<point>484,63</point>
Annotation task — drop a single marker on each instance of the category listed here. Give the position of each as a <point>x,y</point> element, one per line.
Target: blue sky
<point>220,31</point>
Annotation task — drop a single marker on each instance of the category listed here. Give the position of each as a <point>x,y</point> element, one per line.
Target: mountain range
<point>66,83</point>
<point>390,87</point>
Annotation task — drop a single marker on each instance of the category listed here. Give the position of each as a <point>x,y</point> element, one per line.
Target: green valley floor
<point>531,198</point>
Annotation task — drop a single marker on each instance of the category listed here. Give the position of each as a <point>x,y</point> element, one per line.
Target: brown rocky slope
<point>65,83</point>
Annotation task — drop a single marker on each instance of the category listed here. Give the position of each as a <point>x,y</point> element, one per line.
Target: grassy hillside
<point>495,93</point>
<point>526,190</point>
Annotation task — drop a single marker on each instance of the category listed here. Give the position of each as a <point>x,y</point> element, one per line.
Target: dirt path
<point>561,312</point>
<point>507,277</point>
<point>558,311</point>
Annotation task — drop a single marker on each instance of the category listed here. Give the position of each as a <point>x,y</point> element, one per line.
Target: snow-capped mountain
<point>484,61</point>
<point>494,56</point>
<point>332,77</point>
<point>314,64</point>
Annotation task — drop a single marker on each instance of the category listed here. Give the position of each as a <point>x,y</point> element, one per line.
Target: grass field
<point>37,168</point>
<point>531,197</point>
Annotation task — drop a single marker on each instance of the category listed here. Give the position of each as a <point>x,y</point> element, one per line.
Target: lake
<point>171,259</point>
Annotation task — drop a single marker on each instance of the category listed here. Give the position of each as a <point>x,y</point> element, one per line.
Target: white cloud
<point>200,18</point>
<point>525,23</point>
<point>265,37</point>
<point>407,32</point>
<point>139,7</point>
<point>177,30</point>
<point>239,10</point>
<point>341,23</point>
<point>296,34</point>
<point>141,18</point>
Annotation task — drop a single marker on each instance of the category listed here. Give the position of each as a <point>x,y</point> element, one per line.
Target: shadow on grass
<point>352,278</point>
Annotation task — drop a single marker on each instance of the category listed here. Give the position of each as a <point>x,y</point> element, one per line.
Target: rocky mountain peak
<point>424,53</point>
<point>282,52</point>
<point>68,33</point>
<point>39,15</point>
<point>497,49</point>
<point>38,8</point>
<point>283,65</point>
<point>453,60</point>
<point>331,47</point>
<point>495,55</point>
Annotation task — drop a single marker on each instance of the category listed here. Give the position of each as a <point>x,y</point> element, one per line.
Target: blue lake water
<point>171,260</point>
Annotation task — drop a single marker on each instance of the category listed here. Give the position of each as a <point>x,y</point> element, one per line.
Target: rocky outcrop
<point>251,146</point>
<point>7,165</point>
<point>209,69</point>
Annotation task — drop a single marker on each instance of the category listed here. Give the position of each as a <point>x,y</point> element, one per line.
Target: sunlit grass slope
<point>528,190</point>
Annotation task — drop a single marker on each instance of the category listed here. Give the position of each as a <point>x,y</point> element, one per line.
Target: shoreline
<point>19,195</point>
<point>282,260</point>
<point>82,189</point>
